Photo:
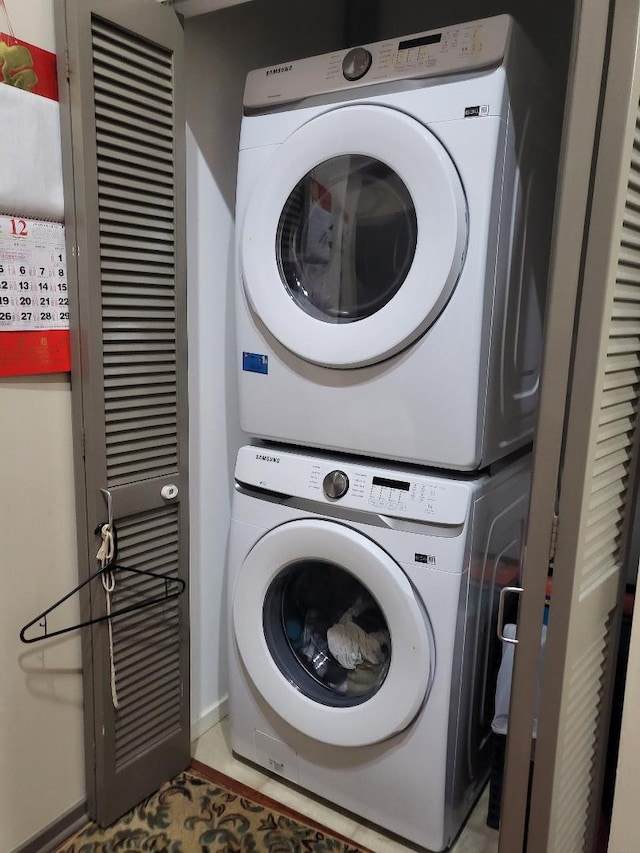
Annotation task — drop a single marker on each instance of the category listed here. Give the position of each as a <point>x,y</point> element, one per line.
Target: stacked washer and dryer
<point>393,216</point>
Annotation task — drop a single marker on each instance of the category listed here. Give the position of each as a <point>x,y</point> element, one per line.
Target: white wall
<point>41,739</point>
<point>32,21</point>
<point>41,731</point>
<point>221,48</point>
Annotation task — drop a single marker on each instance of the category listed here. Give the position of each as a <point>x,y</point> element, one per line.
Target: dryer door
<point>354,237</point>
<point>331,633</point>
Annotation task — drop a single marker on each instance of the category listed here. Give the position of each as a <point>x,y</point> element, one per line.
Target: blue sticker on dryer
<point>254,362</point>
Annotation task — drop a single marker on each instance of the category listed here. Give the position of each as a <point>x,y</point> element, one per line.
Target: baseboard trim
<point>208,720</point>
<point>53,835</point>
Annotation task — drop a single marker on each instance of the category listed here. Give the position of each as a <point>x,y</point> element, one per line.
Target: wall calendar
<point>33,275</point>
<point>34,297</point>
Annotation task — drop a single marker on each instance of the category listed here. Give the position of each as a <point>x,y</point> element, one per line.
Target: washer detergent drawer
<point>331,633</point>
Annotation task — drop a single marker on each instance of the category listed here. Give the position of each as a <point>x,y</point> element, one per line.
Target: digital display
<point>391,484</point>
<point>419,42</point>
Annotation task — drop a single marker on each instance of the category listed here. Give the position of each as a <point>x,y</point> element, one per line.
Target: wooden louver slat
<point>140,137</point>
<point>580,745</point>
<point>147,659</point>
<point>619,395</point>
<point>135,171</point>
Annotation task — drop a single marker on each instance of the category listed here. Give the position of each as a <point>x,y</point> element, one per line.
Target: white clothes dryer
<point>393,219</point>
<point>362,610</point>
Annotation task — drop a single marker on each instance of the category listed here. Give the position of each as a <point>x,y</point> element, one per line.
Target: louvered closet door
<point>124,165</point>
<point>598,477</point>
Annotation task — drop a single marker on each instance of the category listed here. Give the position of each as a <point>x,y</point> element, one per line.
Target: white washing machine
<point>393,211</point>
<point>363,649</point>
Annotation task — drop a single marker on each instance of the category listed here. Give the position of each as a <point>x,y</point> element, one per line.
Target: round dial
<point>356,63</point>
<point>335,485</point>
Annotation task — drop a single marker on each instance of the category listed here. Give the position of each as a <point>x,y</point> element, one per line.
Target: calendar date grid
<point>33,289</point>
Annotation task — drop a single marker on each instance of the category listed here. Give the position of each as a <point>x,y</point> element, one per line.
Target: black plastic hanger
<point>41,619</point>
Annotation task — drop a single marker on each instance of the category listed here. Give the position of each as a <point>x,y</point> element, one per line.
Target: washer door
<point>354,236</point>
<point>331,633</point>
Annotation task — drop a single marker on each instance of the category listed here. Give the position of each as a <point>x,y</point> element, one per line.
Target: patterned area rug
<point>203,810</point>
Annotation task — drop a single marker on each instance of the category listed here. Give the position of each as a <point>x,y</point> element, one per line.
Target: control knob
<point>356,63</point>
<point>335,485</point>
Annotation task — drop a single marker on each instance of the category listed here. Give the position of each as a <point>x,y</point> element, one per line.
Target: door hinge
<point>553,538</point>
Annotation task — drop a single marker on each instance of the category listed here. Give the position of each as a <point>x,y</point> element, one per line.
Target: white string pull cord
<point>104,557</point>
<point>5,15</point>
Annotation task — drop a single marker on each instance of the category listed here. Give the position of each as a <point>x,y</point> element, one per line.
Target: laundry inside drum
<point>327,633</point>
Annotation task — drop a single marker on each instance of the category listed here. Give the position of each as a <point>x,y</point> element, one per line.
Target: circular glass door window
<point>326,633</point>
<point>346,238</point>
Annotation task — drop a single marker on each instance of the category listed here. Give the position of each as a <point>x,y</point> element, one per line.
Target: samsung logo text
<point>280,69</point>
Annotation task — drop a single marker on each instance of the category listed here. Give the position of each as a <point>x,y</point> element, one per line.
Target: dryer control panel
<point>381,489</point>
<point>461,48</point>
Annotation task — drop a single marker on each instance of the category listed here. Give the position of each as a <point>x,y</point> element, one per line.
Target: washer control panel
<point>463,47</point>
<point>381,489</point>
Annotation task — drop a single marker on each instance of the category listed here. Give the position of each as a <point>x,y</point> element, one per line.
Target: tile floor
<point>213,749</point>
